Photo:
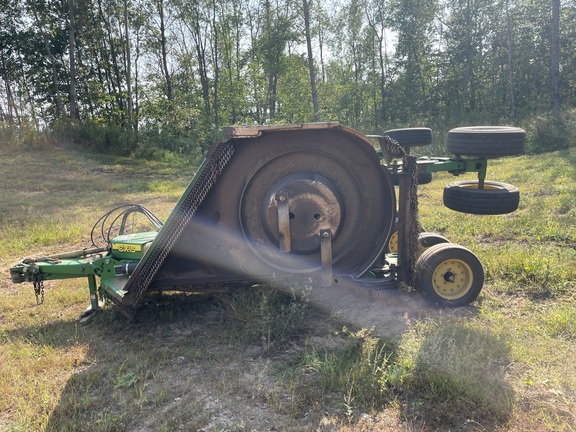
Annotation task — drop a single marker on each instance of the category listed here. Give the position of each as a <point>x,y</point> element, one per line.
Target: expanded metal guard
<point>185,209</point>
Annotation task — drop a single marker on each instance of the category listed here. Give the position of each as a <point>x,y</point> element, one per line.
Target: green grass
<point>259,358</point>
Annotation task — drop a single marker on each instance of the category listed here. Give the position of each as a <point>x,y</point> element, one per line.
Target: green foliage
<point>294,105</point>
<point>104,138</point>
<point>168,144</point>
<point>414,22</point>
<point>546,133</point>
<point>446,65</point>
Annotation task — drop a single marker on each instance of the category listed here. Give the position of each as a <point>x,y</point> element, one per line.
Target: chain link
<point>411,168</point>
<point>395,151</point>
<point>392,148</point>
<point>38,284</point>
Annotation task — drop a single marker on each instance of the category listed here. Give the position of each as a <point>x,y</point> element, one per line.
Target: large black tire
<point>496,197</point>
<point>294,183</point>
<point>411,137</point>
<point>486,141</point>
<point>449,275</point>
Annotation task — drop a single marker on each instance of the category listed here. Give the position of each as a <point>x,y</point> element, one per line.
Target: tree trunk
<point>510,63</point>
<point>53,61</point>
<point>136,82</point>
<point>111,70</point>
<point>321,42</point>
<point>380,34</point>
<point>164,54</point>
<point>72,55</point>
<point>12,117</point>
<point>202,66</point>
<point>555,57</point>
<point>128,65</point>
<point>216,66</point>
<point>310,58</point>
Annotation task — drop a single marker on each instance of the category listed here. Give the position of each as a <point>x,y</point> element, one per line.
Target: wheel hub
<point>452,278</point>
<point>313,203</point>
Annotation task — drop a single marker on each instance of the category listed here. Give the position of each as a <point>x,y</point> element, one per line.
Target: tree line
<point>178,70</point>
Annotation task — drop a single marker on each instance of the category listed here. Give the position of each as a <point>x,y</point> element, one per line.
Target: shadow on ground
<point>178,366</point>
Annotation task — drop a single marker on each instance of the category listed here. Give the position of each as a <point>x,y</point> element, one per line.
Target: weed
<point>357,370</point>
<point>125,380</point>
<point>560,321</point>
<point>265,314</point>
<point>110,421</point>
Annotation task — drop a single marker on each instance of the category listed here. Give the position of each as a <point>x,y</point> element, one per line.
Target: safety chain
<point>38,284</point>
<point>411,168</point>
<point>394,150</point>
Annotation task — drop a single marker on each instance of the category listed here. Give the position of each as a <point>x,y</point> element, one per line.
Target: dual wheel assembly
<point>447,274</point>
<point>484,197</point>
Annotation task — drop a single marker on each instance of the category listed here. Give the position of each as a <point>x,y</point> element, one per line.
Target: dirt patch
<point>227,387</point>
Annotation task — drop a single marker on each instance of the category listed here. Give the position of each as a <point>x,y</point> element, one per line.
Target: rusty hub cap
<point>314,204</point>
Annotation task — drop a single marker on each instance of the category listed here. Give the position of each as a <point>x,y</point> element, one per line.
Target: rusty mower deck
<point>310,202</point>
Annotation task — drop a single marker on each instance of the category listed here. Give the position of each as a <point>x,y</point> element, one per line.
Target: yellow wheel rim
<point>452,279</point>
<point>393,243</point>
<point>487,186</point>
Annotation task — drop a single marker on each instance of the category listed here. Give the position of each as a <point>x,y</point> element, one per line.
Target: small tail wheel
<point>494,198</point>
<point>425,240</point>
<point>449,275</point>
<point>486,141</point>
<point>428,239</point>
<point>392,245</point>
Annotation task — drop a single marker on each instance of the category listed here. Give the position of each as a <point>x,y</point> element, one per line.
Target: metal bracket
<point>326,256</point>
<point>283,222</point>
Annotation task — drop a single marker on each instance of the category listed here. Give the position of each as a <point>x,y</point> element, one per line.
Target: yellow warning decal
<point>127,248</point>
